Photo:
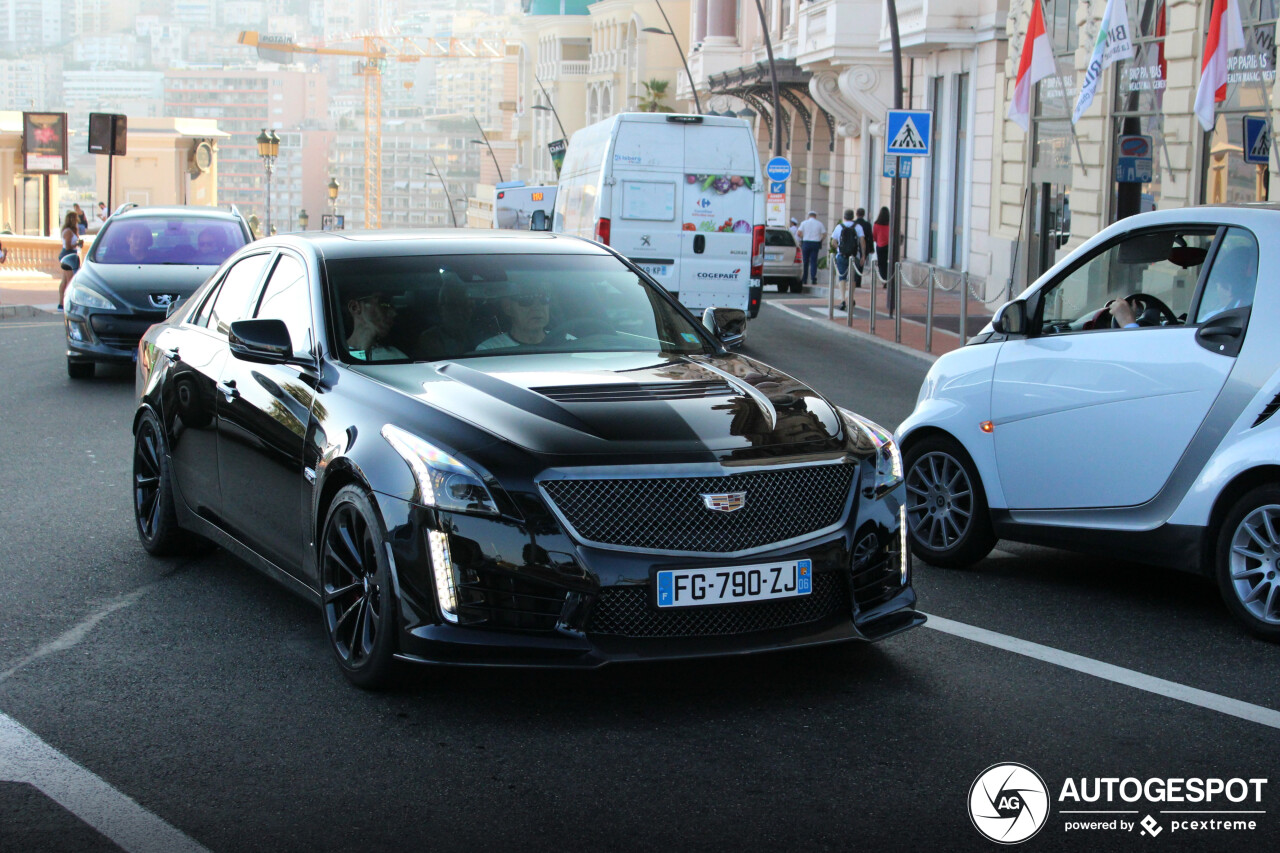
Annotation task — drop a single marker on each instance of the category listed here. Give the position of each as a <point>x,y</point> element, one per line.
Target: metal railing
<point>947,293</point>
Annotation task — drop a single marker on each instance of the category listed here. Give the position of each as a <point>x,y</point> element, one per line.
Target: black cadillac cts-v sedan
<point>513,449</point>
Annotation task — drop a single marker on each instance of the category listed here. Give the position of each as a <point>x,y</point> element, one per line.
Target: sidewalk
<point>22,291</point>
<point>812,305</point>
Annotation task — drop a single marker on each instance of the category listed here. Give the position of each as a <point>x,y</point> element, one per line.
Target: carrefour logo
<point>730,275</point>
<point>703,202</point>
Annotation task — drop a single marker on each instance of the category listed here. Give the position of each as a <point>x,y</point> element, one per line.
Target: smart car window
<point>238,288</point>
<point>1232,278</point>
<point>285,298</point>
<point>434,307</point>
<point>167,240</point>
<point>1156,271</point>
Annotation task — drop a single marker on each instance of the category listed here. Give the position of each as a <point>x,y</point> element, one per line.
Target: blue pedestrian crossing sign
<point>910,133</point>
<point>1257,142</point>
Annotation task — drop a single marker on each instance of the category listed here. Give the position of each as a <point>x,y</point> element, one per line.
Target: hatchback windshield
<point>167,240</point>
<point>431,307</point>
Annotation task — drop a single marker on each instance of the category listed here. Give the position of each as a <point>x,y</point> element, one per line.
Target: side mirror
<point>728,325</point>
<point>262,341</point>
<point>538,221</point>
<point>1011,318</point>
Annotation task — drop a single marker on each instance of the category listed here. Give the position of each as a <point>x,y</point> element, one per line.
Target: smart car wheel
<point>153,493</point>
<point>946,508</point>
<point>358,601</point>
<point>1248,561</point>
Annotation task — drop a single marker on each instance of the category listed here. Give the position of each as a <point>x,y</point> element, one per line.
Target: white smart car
<point>1144,431</point>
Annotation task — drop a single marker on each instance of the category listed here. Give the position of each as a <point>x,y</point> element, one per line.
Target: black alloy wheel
<point>947,514</point>
<point>153,508</point>
<point>1248,561</point>
<point>357,597</point>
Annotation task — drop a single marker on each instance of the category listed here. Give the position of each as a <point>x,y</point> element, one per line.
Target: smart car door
<point>1086,415</point>
<point>264,411</point>
<point>197,352</point>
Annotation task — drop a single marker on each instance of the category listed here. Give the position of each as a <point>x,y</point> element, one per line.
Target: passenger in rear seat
<point>449,336</point>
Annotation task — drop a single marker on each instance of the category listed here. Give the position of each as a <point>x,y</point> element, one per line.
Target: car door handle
<point>1221,332</point>
<point>228,389</point>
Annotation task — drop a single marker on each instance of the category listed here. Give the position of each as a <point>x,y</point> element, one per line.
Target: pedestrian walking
<point>102,212</point>
<point>82,221</point>
<point>811,232</point>
<point>867,249</point>
<point>846,239</point>
<point>68,256</point>
<point>795,226</point>
<point>880,233</point>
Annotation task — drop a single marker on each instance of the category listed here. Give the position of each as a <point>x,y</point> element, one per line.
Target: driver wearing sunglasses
<point>525,316</point>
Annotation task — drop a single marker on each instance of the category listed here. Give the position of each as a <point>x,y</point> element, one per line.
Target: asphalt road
<point>204,696</point>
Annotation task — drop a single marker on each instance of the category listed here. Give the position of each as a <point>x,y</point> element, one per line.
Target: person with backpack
<point>866,248</point>
<point>847,240</point>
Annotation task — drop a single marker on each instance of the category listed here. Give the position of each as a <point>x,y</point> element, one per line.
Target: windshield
<point>432,307</point>
<point>166,240</point>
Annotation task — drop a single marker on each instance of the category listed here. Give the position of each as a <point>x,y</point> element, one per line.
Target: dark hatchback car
<point>510,448</point>
<point>142,261</point>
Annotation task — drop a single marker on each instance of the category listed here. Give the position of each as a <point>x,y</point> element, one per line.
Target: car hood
<point>623,403</point>
<point>134,284</point>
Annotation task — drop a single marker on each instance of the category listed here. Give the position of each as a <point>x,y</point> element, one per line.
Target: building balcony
<point>836,31</point>
<point>928,25</point>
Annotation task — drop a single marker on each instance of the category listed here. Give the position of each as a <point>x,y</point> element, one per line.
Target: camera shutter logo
<point>1008,803</point>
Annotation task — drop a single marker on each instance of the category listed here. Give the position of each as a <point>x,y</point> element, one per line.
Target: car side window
<point>1156,271</point>
<point>286,298</point>
<point>232,301</point>
<point>1232,277</point>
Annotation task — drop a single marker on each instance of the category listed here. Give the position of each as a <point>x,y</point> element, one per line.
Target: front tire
<point>80,369</point>
<point>1247,567</point>
<point>947,514</point>
<point>358,601</point>
<point>153,508</point>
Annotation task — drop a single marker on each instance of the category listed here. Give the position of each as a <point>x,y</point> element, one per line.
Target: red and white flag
<point>1035,64</point>
<point>1225,35</point>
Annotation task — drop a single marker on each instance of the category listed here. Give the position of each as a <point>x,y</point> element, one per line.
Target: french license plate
<point>654,269</point>
<point>771,256</point>
<point>700,587</point>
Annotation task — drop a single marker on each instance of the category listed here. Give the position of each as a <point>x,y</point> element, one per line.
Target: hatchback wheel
<point>1248,561</point>
<point>153,493</point>
<point>358,602</point>
<point>947,512</point>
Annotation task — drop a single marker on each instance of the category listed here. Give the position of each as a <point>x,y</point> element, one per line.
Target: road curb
<point>845,330</point>
<point>8,311</point>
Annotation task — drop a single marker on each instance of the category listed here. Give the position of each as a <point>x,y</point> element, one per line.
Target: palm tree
<point>654,92</point>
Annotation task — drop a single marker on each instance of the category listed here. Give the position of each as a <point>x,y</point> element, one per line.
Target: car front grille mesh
<point>670,514</point>
<point>627,611</point>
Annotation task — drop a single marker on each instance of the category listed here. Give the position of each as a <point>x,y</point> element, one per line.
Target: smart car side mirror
<point>262,341</point>
<point>538,221</point>
<point>727,325</point>
<point>1011,318</point>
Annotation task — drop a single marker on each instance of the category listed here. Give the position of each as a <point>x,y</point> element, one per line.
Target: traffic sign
<point>909,132</point>
<point>779,168</point>
<point>896,167</point>
<point>1134,162</point>
<point>777,186</point>
<point>1257,142</point>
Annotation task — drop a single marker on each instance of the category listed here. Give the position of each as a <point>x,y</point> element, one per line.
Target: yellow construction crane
<point>375,50</point>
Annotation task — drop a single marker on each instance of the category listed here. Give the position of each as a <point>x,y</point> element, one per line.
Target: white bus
<point>682,196</point>
<point>514,203</point>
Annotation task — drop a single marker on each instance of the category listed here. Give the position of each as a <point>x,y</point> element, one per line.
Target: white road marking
<point>1110,672</point>
<point>26,758</point>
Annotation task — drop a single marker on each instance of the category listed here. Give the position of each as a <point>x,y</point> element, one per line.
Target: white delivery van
<point>680,195</point>
<point>514,203</point>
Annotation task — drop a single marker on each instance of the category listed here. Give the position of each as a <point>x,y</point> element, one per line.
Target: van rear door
<point>646,197</point>
<point>717,216</point>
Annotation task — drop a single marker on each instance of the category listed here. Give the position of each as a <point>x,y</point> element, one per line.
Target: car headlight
<point>443,482</point>
<point>888,457</point>
<point>81,294</point>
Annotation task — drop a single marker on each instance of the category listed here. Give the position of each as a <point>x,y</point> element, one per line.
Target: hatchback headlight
<point>888,458</point>
<point>443,482</point>
<point>81,294</point>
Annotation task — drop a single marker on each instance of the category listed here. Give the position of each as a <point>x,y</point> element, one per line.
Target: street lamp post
<point>485,142</point>
<point>549,107</point>
<point>334,186</point>
<point>670,31</point>
<point>268,150</point>
<point>773,79</point>
<point>449,201</point>
<point>303,219</point>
